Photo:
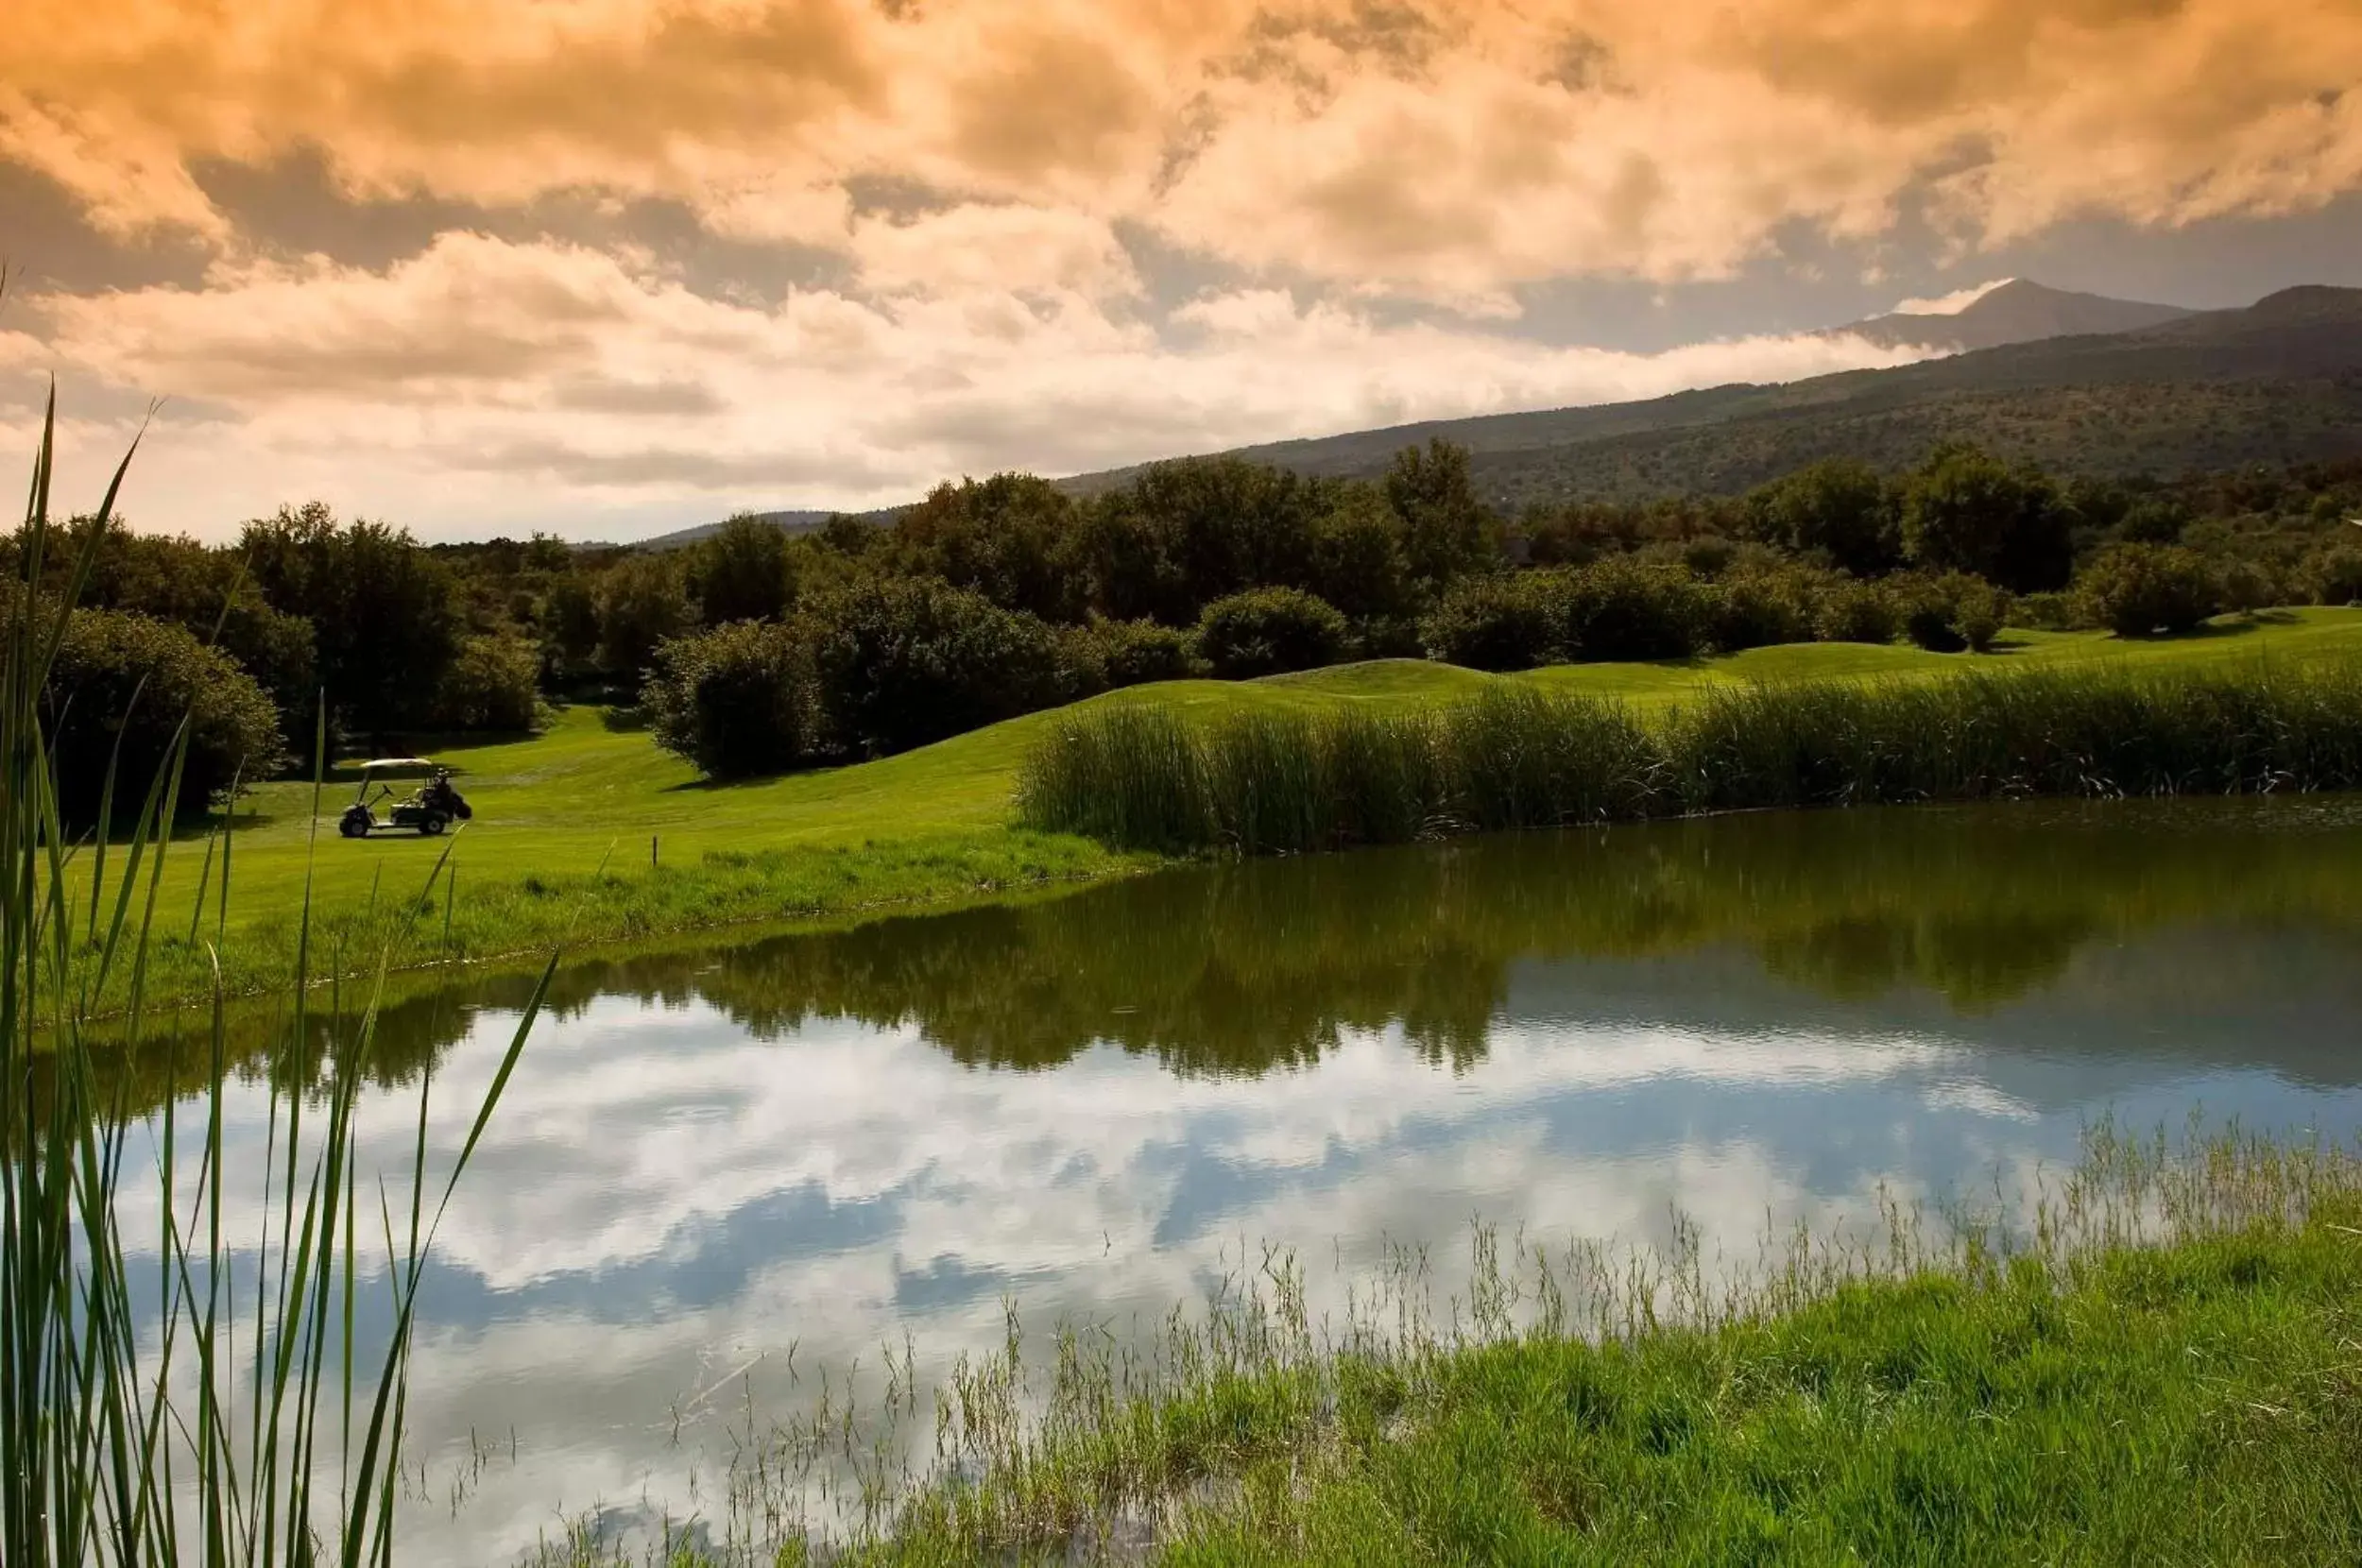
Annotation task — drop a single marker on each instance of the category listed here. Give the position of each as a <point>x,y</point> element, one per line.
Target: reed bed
<point>1141,777</point>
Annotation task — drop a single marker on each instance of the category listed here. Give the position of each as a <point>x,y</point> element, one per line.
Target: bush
<point>1270,631</point>
<point>1859,612</point>
<point>2143,589</point>
<point>1617,610</point>
<point>2245,586</point>
<point>2334,575</point>
<point>1763,608</point>
<point>89,703</point>
<point>2051,612</point>
<point>736,701</point>
<point>1492,623</point>
<point>494,684</point>
<point>1132,652</point>
<point>901,661</point>
<point>1953,613</point>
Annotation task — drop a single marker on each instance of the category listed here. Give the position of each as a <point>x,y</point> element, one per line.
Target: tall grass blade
<point>197,1425</point>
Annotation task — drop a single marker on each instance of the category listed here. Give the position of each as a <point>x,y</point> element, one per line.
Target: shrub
<point>494,684</point>
<point>1618,609</point>
<point>2245,585</point>
<point>116,694</point>
<point>736,701</point>
<point>1132,652</point>
<point>2142,590</point>
<point>1980,610</point>
<point>1269,631</point>
<point>1952,613</point>
<point>1762,609</point>
<point>2051,612</point>
<point>2334,575</point>
<point>1859,612</point>
<point>901,661</point>
<point>1493,624</point>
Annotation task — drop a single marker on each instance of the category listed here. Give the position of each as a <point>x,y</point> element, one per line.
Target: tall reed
<point>1514,757</point>
<point>223,1410</point>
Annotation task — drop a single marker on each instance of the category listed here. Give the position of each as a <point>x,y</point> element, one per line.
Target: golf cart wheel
<point>353,826</point>
<point>431,824</point>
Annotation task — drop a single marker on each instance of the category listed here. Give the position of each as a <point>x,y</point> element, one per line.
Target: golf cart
<point>429,810</point>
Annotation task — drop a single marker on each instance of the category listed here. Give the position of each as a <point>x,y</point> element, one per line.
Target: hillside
<point>2280,381</point>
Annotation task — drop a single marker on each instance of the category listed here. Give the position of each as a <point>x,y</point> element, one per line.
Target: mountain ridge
<point>2278,381</point>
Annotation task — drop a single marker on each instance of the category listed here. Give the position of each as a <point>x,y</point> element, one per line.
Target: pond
<point>719,1172</point>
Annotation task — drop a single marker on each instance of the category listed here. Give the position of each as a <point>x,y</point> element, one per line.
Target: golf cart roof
<point>389,763</point>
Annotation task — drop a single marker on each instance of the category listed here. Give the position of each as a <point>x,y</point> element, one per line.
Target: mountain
<point>2279,382</point>
<point>2015,311</point>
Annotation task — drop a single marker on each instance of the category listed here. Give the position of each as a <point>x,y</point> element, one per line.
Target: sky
<point>607,267</point>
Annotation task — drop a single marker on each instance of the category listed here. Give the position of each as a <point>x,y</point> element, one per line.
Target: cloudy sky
<point>609,266</point>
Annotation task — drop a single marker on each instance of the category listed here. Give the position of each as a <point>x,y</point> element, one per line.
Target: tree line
<point>755,650</point>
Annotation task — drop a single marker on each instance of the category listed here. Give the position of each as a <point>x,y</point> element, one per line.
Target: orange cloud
<point>1445,147</point>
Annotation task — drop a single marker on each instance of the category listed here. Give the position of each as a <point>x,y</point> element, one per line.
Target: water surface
<point>717,1167</point>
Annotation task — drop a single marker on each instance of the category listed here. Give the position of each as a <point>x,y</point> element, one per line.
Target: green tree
<point>741,573</point>
<point>208,592</point>
<point>492,685</point>
<point>1360,565</point>
<point>1013,538</point>
<point>901,661</point>
<point>642,601</point>
<point>1446,532</point>
<point>118,692</point>
<point>383,613</point>
<point>1964,510</point>
<point>1839,509</point>
<point>569,629</point>
<point>1186,533</point>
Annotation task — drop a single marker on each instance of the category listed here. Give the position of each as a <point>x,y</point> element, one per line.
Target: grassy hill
<point>590,833</point>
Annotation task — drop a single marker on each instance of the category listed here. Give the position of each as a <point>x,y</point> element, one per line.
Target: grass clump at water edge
<point>2151,1355</point>
<point>187,1374</point>
<point>1261,782</point>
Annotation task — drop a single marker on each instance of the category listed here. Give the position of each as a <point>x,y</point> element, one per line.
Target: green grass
<point>2155,1361</point>
<point>561,847</point>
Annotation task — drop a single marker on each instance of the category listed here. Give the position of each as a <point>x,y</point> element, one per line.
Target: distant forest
<point>753,651</point>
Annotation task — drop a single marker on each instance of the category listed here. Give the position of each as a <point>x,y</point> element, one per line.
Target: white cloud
<point>1953,303</point>
<point>485,384</point>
